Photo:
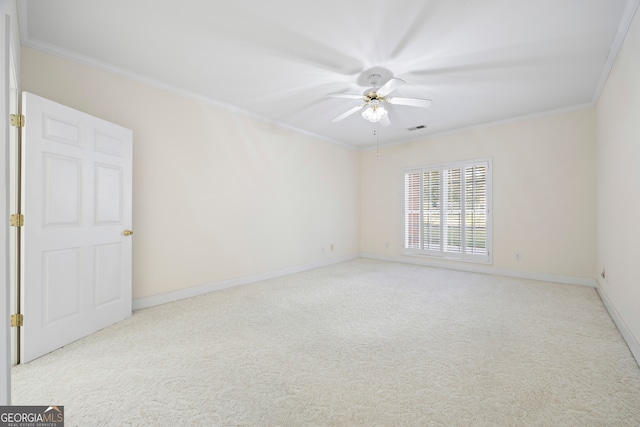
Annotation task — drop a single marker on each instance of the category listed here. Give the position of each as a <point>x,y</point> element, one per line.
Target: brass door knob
<point>128,232</point>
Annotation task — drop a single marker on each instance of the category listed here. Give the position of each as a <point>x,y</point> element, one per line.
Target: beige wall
<point>618,151</point>
<point>543,192</point>
<point>217,195</point>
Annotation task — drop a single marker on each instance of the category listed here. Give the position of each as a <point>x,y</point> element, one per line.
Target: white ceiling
<point>480,61</point>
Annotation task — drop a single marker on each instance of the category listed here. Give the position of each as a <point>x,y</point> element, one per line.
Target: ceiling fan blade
<point>389,87</point>
<point>412,102</point>
<point>385,122</point>
<point>348,113</point>
<point>344,95</point>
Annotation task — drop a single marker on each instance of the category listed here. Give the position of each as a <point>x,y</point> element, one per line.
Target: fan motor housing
<point>371,95</point>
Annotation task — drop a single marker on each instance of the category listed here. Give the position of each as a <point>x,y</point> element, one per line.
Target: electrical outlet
<point>386,245</point>
<point>518,256</point>
<point>332,246</point>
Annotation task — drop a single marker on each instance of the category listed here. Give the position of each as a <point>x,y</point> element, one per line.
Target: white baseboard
<point>626,333</point>
<point>486,269</point>
<point>634,346</point>
<point>146,302</point>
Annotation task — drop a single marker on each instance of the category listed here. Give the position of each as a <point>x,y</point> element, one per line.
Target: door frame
<point>10,52</point>
<point>5,333</point>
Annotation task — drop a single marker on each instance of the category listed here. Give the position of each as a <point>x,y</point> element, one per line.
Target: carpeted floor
<point>361,343</point>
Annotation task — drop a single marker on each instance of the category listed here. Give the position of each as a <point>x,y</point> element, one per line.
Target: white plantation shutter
<point>452,189</point>
<point>476,209</point>
<point>431,210</point>
<point>446,211</point>
<point>412,210</point>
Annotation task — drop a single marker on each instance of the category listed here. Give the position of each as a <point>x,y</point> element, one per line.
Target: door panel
<point>108,195</point>
<point>62,198</point>
<point>108,270</point>
<point>61,290</point>
<point>76,270</point>
<point>56,129</point>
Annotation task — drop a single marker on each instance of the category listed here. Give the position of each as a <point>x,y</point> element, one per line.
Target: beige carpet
<point>361,343</point>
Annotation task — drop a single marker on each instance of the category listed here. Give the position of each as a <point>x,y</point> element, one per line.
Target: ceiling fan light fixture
<point>374,113</point>
<point>373,99</point>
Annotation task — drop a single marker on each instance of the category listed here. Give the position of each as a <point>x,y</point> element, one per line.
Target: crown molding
<point>627,18</point>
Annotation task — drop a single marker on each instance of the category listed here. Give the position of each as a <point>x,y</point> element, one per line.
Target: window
<point>447,211</point>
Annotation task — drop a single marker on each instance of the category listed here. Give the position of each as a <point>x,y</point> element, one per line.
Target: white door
<point>76,261</point>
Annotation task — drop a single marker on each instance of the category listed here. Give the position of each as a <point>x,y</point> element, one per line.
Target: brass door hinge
<point>17,120</point>
<point>17,220</point>
<point>17,320</point>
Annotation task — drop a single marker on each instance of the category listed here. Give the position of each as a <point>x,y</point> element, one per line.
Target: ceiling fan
<point>375,98</point>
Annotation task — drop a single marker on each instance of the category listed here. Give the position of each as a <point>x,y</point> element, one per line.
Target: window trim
<point>463,256</point>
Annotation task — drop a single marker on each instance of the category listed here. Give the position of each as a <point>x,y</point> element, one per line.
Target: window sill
<point>442,257</point>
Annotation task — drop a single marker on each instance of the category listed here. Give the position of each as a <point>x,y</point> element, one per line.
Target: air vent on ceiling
<point>417,127</point>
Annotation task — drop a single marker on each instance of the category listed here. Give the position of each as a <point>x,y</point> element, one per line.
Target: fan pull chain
<point>375,133</point>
